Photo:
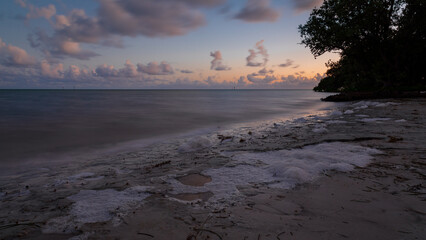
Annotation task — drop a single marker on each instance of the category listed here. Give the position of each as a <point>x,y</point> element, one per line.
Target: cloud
<point>264,71</point>
<point>52,71</point>
<point>115,19</point>
<point>61,21</point>
<point>186,71</point>
<point>154,68</point>
<point>54,75</point>
<point>79,27</point>
<point>281,82</point>
<point>251,59</point>
<point>257,11</point>
<point>59,47</point>
<point>14,56</point>
<point>69,48</point>
<point>305,5</point>
<point>152,18</point>
<point>129,70</point>
<point>288,63</point>
<point>241,81</point>
<point>216,63</point>
<point>44,12</point>
<point>73,72</point>
<point>36,12</point>
<point>299,82</point>
<point>204,3</point>
<point>213,83</point>
<point>254,78</point>
<point>106,71</point>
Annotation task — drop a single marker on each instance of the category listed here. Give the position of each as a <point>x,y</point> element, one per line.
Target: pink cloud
<point>115,19</point>
<point>15,56</point>
<point>52,71</point>
<point>129,70</point>
<point>37,12</point>
<point>216,63</point>
<point>266,79</point>
<point>154,68</point>
<point>259,50</point>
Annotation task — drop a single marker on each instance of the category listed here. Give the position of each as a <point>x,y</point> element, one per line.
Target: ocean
<point>50,124</point>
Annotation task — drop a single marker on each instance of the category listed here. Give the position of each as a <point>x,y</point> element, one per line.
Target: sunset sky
<point>132,44</point>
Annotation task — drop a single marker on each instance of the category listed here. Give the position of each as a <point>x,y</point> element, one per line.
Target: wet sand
<point>383,200</point>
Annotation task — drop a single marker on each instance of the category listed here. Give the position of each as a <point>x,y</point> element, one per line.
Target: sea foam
<point>195,144</point>
<point>280,169</point>
<point>92,206</point>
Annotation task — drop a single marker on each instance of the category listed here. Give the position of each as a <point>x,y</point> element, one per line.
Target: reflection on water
<point>35,122</point>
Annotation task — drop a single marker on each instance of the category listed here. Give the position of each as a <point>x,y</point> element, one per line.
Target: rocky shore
<point>354,96</point>
<point>357,172</point>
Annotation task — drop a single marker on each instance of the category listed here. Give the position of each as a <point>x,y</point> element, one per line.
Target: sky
<point>157,44</point>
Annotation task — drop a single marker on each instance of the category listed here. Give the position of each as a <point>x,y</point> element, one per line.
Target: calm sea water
<point>38,122</point>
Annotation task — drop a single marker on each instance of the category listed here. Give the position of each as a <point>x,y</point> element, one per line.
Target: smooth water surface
<point>39,122</point>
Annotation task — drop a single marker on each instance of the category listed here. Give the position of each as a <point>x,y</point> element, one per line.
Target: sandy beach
<point>357,172</point>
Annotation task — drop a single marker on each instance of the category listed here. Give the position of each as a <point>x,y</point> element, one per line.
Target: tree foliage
<point>381,43</point>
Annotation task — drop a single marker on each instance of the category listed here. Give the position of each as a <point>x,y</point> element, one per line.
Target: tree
<point>376,39</point>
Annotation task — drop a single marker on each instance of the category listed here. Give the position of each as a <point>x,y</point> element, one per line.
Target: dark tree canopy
<point>381,43</point>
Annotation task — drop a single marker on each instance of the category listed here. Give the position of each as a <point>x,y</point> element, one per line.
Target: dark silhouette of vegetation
<point>382,44</point>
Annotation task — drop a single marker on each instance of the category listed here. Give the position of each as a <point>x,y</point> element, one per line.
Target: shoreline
<point>79,154</point>
<point>358,96</point>
<point>366,203</point>
<point>74,132</point>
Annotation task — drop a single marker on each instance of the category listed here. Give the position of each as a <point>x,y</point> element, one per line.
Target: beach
<point>353,172</point>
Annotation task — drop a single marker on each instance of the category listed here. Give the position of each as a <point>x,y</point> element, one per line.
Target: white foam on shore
<point>319,128</point>
<point>336,113</point>
<point>336,122</point>
<point>309,161</point>
<point>280,169</point>
<point>195,144</point>
<point>366,104</point>
<point>386,104</point>
<point>225,181</point>
<point>400,120</point>
<point>92,206</point>
<point>374,119</point>
<point>362,107</point>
